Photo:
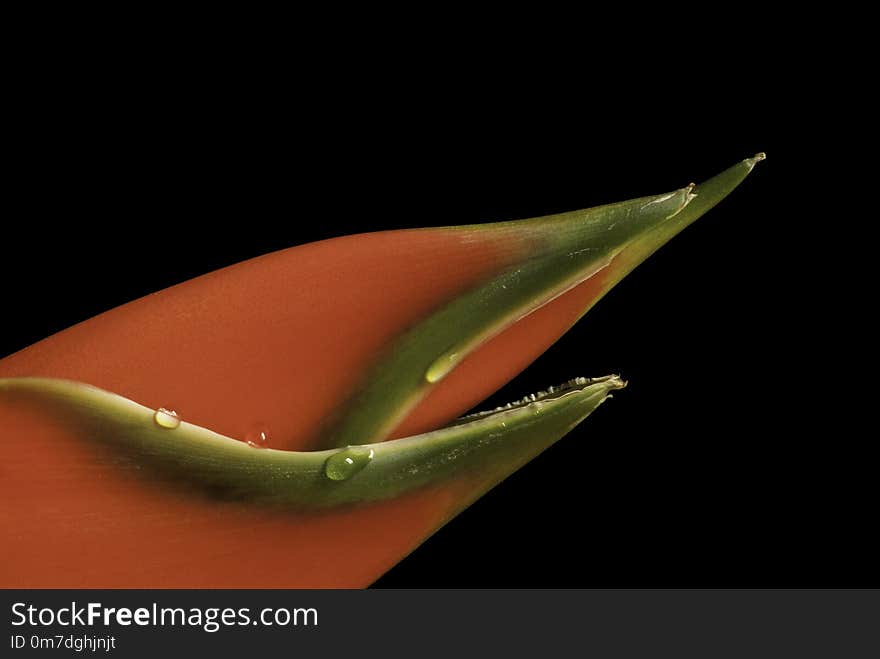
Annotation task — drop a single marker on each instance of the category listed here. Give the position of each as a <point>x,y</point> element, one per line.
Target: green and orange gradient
<point>318,389</point>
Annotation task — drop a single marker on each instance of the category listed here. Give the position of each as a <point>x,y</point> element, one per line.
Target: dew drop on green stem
<point>442,366</point>
<point>166,418</point>
<point>257,437</point>
<point>347,462</point>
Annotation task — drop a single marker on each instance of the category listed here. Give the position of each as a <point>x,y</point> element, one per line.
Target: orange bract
<point>267,343</point>
<point>275,342</point>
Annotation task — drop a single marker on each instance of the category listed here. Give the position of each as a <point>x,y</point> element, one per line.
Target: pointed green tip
<point>560,252</point>
<point>754,160</point>
<point>713,190</point>
<point>700,199</point>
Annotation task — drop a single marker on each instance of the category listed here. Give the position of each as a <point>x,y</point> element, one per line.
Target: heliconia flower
<point>292,421</point>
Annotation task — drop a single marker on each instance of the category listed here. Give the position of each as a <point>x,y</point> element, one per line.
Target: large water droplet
<point>166,418</point>
<point>347,462</point>
<point>442,366</point>
<point>258,437</point>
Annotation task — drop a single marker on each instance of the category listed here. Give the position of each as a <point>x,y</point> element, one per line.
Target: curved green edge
<point>485,448</point>
<point>563,251</point>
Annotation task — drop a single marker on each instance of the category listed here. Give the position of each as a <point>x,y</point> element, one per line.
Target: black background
<point>718,466</point>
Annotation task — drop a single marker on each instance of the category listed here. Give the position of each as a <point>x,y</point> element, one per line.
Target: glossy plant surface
<point>290,421</point>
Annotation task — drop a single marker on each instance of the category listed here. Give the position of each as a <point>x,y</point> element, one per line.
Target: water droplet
<point>258,437</point>
<point>166,418</point>
<point>442,366</point>
<point>347,462</point>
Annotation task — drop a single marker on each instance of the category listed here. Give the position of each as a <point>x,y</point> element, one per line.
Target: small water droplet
<point>442,366</point>
<point>166,418</point>
<point>347,462</point>
<point>258,437</point>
